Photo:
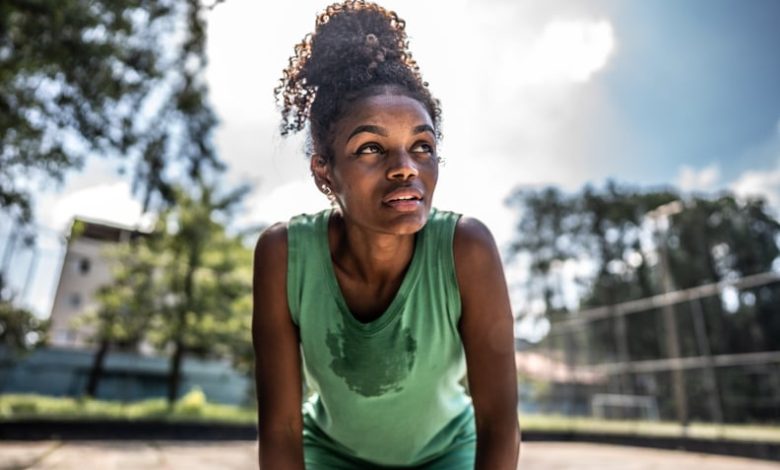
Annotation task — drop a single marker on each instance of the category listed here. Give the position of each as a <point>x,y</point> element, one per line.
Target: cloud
<point>753,183</point>
<point>569,51</point>
<point>706,179</point>
<point>762,183</point>
<point>109,202</point>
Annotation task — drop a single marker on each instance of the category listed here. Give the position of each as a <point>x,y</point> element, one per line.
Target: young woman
<point>382,301</point>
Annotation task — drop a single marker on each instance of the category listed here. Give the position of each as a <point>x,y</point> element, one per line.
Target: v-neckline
<point>396,304</point>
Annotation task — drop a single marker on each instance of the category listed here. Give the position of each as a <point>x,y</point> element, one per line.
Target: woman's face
<point>384,167</point>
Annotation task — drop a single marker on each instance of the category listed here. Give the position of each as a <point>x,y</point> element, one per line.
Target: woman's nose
<point>402,166</point>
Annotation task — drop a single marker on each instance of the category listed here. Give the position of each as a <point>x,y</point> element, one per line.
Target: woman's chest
<point>415,347</point>
<point>367,302</point>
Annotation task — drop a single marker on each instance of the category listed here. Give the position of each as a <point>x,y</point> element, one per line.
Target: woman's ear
<point>320,170</point>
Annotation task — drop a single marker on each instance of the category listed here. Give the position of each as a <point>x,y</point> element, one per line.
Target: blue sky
<point>696,82</point>
<point>567,93</point>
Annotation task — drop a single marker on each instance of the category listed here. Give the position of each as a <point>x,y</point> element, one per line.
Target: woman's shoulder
<point>277,235</point>
<point>473,243</point>
<point>273,241</point>
<point>271,246</point>
<point>273,234</point>
<point>478,268</point>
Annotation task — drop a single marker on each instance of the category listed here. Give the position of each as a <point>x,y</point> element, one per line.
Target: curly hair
<point>358,49</point>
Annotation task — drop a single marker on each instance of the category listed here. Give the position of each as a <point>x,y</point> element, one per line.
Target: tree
<point>723,238</point>
<point>125,307</point>
<point>711,239</point>
<point>204,276</point>
<point>602,228</point>
<point>20,330</point>
<point>103,77</point>
<point>186,287</point>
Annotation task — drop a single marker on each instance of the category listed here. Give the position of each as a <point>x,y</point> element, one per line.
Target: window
<point>84,266</point>
<point>74,300</point>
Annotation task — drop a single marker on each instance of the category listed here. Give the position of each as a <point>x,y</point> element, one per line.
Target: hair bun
<point>357,38</point>
<point>355,45</point>
<point>374,51</point>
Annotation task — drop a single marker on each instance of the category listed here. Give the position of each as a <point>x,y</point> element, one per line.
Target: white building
<point>85,269</point>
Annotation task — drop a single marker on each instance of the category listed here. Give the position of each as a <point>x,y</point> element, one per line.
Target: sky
<point>566,93</point>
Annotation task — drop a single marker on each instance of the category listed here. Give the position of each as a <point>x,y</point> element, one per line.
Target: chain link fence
<point>705,354</point>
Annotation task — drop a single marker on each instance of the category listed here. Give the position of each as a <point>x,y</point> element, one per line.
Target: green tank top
<point>387,391</point>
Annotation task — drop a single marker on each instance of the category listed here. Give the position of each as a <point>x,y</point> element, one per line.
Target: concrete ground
<point>116,455</point>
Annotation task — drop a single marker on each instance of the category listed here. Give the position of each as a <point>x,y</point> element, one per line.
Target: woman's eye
<point>423,148</point>
<point>369,149</point>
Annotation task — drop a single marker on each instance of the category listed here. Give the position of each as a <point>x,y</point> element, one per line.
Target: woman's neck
<point>368,256</point>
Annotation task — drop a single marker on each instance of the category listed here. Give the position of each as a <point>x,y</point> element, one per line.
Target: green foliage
<point>101,77</point>
<point>710,240</point>
<point>186,285</point>
<point>192,407</point>
<point>719,238</point>
<point>123,316</point>
<point>203,276</point>
<point>20,330</point>
<point>77,230</point>
<point>602,227</point>
<point>567,424</point>
<point>192,403</point>
<point>14,407</point>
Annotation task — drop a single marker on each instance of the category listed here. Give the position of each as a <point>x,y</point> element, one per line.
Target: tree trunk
<point>188,288</point>
<point>96,371</point>
<point>174,376</point>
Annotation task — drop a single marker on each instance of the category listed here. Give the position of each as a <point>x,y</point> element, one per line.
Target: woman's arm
<point>277,357</point>
<point>486,328</point>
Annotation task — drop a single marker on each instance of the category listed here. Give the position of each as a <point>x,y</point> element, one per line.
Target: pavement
<point>168,455</point>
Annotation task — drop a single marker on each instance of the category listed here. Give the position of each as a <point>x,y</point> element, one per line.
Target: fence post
<point>703,341</point>
<point>621,338</point>
<point>673,340</point>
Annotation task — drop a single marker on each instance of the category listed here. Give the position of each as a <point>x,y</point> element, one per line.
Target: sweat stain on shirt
<point>373,365</point>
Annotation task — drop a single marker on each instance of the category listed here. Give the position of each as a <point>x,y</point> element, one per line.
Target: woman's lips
<point>406,192</point>
<point>404,199</point>
<point>405,205</point>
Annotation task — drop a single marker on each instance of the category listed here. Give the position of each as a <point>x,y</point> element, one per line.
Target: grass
<point>194,407</point>
<point>740,432</point>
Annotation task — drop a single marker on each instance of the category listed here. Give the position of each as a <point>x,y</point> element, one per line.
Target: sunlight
<point>570,51</point>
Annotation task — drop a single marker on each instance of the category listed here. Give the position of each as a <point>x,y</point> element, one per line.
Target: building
<point>63,368</point>
<point>85,269</point>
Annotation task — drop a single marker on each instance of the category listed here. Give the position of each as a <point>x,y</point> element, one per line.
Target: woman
<point>382,302</point>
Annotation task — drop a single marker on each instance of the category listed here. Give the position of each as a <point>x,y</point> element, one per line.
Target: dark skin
<point>382,175</point>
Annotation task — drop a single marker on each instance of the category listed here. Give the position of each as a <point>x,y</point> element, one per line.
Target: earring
<point>326,189</point>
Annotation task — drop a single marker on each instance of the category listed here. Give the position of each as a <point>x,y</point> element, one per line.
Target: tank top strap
<point>303,255</point>
<point>440,234</point>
